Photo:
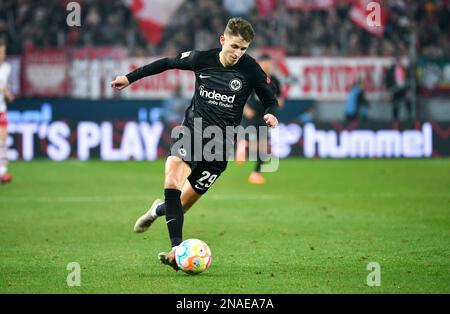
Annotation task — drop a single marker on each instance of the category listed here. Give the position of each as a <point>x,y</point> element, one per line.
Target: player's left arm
<point>267,96</point>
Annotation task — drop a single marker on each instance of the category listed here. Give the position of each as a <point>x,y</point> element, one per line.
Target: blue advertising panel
<point>61,129</point>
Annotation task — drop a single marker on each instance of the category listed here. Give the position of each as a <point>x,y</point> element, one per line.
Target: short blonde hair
<point>239,27</point>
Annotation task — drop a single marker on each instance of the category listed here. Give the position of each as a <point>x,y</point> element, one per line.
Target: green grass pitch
<point>312,228</point>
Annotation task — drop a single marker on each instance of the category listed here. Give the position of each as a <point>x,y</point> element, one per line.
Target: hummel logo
<point>204,76</point>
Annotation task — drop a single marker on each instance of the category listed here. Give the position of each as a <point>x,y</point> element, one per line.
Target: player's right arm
<point>266,95</point>
<point>183,61</point>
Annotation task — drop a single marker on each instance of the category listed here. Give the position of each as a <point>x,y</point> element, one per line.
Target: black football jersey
<point>255,103</point>
<point>220,92</point>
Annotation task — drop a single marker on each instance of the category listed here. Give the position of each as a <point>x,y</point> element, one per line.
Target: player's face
<point>233,47</point>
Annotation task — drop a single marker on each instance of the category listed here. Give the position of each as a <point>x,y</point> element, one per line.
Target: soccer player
<point>224,79</point>
<point>5,94</point>
<point>254,115</point>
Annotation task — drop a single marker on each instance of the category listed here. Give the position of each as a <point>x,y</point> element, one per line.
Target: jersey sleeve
<point>264,90</point>
<point>252,101</point>
<point>277,85</point>
<point>183,61</point>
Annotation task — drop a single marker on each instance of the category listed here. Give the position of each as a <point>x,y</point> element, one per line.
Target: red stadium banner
<point>321,78</point>
<point>370,15</point>
<point>153,16</point>
<point>99,52</point>
<point>92,69</point>
<point>44,73</point>
<point>309,4</point>
<point>330,79</point>
<point>266,7</point>
<point>157,86</point>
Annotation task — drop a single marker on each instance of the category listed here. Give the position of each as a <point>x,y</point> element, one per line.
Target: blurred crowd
<point>197,24</point>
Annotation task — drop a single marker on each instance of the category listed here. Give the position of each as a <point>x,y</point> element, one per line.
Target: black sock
<point>259,162</point>
<point>174,215</point>
<point>161,209</point>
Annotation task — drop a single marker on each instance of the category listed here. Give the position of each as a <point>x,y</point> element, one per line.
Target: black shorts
<point>204,172</point>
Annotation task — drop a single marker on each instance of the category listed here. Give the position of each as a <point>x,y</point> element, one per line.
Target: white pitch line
<point>254,197</point>
<point>76,199</point>
<point>89,199</point>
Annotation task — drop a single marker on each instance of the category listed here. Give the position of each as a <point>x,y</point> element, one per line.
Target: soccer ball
<point>193,256</point>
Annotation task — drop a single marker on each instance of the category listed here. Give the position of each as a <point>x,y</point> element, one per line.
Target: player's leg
<point>158,208</point>
<point>242,143</point>
<point>4,176</point>
<point>202,177</point>
<point>261,149</point>
<point>241,151</point>
<point>176,173</point>
<point>188,198</point>
<point>396,98</point>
